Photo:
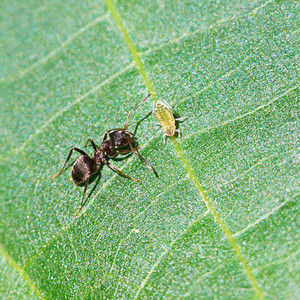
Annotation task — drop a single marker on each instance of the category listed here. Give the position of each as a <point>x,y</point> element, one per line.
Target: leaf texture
<point>221,220</point>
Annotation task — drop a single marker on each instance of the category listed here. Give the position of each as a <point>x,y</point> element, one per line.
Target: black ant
<point>114,141</point>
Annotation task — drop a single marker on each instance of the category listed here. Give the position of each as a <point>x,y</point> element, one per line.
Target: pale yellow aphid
<point>164,114</point>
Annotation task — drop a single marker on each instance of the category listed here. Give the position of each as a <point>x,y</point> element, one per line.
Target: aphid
<point>164,114</point>
<point>114,142</point>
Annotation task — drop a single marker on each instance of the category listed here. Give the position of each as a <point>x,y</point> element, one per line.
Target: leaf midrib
<point>89,25</point>
<point>108,181</point>
<point>255,109</point>
<point>186,164</point>
<point>128,67</point>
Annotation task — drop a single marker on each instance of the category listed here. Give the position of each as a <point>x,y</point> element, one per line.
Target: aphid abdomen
<point>165,117</point>
<point>82,169</point>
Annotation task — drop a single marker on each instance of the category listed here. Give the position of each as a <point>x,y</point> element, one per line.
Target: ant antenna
<point>126,123</point>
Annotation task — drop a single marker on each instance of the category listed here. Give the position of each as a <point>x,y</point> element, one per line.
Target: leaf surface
<point>221,220</point>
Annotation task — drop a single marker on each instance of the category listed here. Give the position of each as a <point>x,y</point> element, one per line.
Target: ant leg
<point>106,133</point>
<point>118,171</point>
<point>81,204</point>
<point>126,151</point>
<point>123,151</point>
<point>105,136</point>
<point>73,149</point>
<point>92,142</point>
<point>126,123</point>
<point>141,157</point>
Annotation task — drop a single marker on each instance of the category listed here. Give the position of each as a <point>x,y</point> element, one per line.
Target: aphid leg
<point>118,171</point>
<point>73,149</point>
<point>164,138</point>
<point>81,204</point>
<point>179,133</point>
<point>126,123</point>
<point>141,157</point>
<point>92,143</point>
<point>181,119</point>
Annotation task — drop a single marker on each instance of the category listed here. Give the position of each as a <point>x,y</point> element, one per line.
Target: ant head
<point>122,138</point>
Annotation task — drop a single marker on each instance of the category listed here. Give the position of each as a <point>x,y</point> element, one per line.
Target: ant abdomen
<point>83,168</point>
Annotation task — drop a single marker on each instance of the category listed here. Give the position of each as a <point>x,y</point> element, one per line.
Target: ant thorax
<point>105,148</point>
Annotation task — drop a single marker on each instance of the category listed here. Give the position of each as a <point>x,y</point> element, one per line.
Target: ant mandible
<point>113,142</point>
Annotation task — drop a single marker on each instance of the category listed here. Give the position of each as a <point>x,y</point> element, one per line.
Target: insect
<point>115,141</point>
<point>164,114</point>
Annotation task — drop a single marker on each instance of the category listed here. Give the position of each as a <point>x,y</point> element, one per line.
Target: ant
<point>114,141</point>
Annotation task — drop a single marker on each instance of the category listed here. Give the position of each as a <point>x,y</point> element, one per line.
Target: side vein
<point>279,261</point>
<point>53,53</point>
<point>265,216</point>
<point>187,166</point>
<point>167,251</point>
<point>193,33</point>
<point>68,107</point>
<point>243,116</point>
<point>18,269</point>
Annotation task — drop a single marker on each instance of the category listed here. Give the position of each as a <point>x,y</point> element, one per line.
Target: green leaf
<point>221,220</point>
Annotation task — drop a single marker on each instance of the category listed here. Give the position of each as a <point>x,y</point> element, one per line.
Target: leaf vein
<point>192,33</point>
<point>154,200</point>
<point>219,221</point>
<point>264,217</point>
<point>279,261</point>
<point>21,271</point>
<point>252,112</point>
<point>187,166</point>
<point>51,54</point>
<point>66,108</point>
<point>166,251</point>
